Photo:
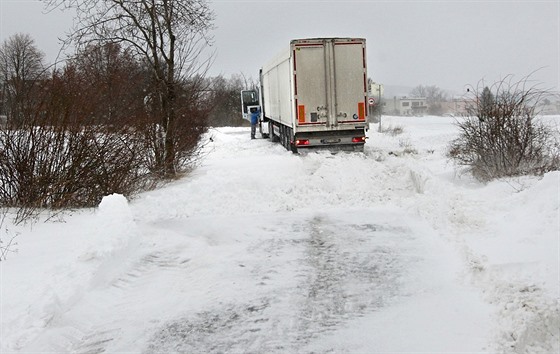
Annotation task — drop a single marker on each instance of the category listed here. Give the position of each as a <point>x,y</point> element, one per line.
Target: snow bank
<point>517,263</point>
<point>508,232</point>
<point>55,263</point>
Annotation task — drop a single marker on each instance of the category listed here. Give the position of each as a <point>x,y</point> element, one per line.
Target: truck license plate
<point>330,141</point>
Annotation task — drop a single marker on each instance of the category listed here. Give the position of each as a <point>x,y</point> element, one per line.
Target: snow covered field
<point>262,251</point>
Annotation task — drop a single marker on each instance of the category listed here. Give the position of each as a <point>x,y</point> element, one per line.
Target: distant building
<point>549,107</point>
<point>407,106</point>
<point>463,106</point>
<point>457,106</point>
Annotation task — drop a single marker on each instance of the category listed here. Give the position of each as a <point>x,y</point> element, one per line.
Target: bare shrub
<point>407,146</point>
<point>58,167</point>
<point>502,136</point>
<point>57,157</point>
<point>392,130</point>
<point>8,243</point>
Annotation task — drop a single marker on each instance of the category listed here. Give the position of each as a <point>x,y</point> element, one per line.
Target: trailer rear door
<point>329,81</point>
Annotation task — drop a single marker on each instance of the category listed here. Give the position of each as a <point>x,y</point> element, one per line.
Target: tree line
<point>103,84</point>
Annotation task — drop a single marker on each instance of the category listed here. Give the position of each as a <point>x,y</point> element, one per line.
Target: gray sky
<point>445,43</point>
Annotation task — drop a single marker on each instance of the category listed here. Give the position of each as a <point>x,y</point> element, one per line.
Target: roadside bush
<point>502,134</point>
<point>58,167</point>
<point>95,128</point>
<point>392,130</point>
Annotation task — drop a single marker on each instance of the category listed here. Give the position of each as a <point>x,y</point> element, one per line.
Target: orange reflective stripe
<point>301,113</point>
<point>361,111</point>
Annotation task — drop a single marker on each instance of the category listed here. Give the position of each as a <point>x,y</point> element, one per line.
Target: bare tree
<point>225,98</point>
<point>486,104</point>
<point>419,91</point>
<point>114,83</point>
<point>434,97</point>
<point>21,66</point>
<point>169,35</point>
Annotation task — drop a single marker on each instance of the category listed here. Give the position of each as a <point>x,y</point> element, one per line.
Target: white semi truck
<point>314,94</point>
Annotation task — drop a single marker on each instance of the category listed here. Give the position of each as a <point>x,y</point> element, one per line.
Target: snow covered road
<point>301,279</point>
<point>262,251</point>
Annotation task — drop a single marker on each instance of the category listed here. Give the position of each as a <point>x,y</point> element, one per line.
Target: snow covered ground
<point>262,251</point>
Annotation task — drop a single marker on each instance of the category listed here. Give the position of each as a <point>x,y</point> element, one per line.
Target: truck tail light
<point>359,139</point>
<point>302,142</point>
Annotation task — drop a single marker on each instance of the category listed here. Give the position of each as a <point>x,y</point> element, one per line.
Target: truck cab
<point>249,103</point>
<point>249,99</point>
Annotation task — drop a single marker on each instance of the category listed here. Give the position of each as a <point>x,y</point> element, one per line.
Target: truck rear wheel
<point>272,136</point>
<point>287,137</point>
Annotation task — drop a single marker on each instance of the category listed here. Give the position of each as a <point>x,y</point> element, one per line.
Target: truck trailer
<point>314,94</point>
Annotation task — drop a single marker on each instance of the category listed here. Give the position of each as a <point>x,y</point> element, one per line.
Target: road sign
<point>371,101</point>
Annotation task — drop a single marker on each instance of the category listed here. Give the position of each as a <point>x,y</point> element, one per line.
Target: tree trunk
<point>169,162</point>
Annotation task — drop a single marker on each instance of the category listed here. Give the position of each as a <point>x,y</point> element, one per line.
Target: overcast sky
<point>448,43</point>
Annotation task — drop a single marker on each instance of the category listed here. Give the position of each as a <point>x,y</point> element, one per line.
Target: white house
<point>406,106</point>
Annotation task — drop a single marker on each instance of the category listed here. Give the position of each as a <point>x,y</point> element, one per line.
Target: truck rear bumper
<point>350,138</point>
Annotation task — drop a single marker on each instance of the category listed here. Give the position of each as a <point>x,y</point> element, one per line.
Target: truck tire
<point>282,135</point>
<point>287,138</point>
<point>291,146</point>
<point>273,137</point>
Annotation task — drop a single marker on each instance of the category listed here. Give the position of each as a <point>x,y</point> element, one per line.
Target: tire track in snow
<point>127,288</point>
<point>350,271</point>
<point>341,284</point>
<point>95,342</point>
<point>341,270</point>
<point>150,262</point>
<point>116,293</point>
